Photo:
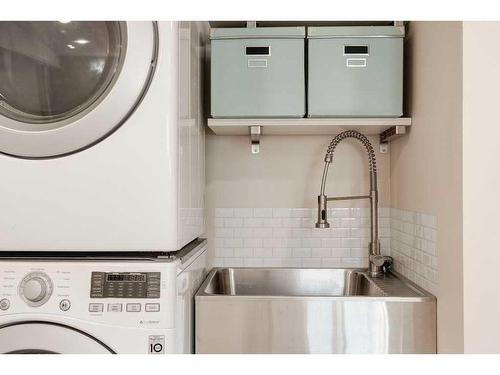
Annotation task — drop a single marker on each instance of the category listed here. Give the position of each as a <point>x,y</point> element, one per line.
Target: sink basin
<point>294,310</point>
<point>292,282</point>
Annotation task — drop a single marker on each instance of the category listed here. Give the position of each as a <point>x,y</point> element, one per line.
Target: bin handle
<point>258,51</point>
<point>362,50</point>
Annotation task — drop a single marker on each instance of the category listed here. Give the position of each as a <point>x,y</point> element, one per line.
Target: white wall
<point>481,186</point>
<point>426,165</point>
<point>286,173</point>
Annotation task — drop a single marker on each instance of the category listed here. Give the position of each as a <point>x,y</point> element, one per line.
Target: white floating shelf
<point>306,126</point>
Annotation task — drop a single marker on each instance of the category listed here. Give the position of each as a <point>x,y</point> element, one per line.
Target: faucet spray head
<point>322,213</point>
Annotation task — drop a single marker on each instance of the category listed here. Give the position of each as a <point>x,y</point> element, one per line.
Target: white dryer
<point>86,306</point>
<point>101,135</point>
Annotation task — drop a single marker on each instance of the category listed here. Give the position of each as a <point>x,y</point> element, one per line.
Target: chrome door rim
<point>51,344</point>
<point>98,122</point>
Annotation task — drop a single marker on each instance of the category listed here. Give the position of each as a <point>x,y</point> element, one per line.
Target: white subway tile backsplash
<point>301,212</point>
<point>233,262</point>
<point>428,221</point>
<point>365,222</point>
<point>233,223</point>
<point>339,232</point>
<point>321,252</point>
<point>224,212</point>
<point>253,223</point>
<point>219,242</point>
<point>243,232</point>
<point>331,262</point>
<point>383,222</point>
<point>224,252</point>
<point>318,233</point>
<point>282,232</point>
<point>261,252</point>
<point>311,242</point>
<point>301,232</point>
<point>311,262</point>
<point>253,262</point>
<point>271,242</point>
<point>340,212</point>
<point>252,242</point>
<point>291,242</point>
<point>351,242</point>
<point>384,212</point>
<point>282,212</point>
<point>354,262</point>
<point>331,242</point>
<point>262,232</point>
<point>282,252</point>
<point>243,212</point>
<point>272,262</point>
<point>345,252</point>
<point>349,222</point>
<point>292,222</point>
<point>356,212</point>
<point>384,232</point>
<point>413,247</point>
<point>291,262</point>
<point>243,252</point>
<point>358,252</point>
<point>301,252</point>
<point>334,222</point>
<point>286,237</point>
<point>218,262</point>
<point>362,232</point>
<point>233,242</point>
<point>224,232</point>
<point>273,223</point>
<point>263,212</point>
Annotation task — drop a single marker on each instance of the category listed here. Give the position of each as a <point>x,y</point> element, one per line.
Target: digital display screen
<point>141,278</point>
<point>125,285</point>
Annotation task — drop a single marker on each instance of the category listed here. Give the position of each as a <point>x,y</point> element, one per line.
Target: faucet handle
<point>381,260</point>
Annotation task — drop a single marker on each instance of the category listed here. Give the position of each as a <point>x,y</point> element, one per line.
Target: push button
<point>152,307</point>
<point>4,304</point>
<point>96,307</point>
<point>65,305</point>
<point>114,307</point>
<point>133,307</point>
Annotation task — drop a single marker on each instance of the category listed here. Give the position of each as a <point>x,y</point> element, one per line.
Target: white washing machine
<point>87,306</point>
<point>101,135</point>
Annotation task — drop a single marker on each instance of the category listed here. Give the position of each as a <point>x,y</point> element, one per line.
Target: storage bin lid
<point>258,32</point>
<point>355,32</point>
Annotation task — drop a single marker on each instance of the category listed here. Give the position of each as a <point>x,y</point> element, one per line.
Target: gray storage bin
<point>355,71</point>
<point>258,72</point>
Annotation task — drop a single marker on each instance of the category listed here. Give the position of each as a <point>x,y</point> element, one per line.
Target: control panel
<point>119,293</point>
<point>125,285</point>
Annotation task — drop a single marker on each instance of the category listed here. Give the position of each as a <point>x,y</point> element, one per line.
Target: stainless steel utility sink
<point>293,310</point>
<point>291,282</point>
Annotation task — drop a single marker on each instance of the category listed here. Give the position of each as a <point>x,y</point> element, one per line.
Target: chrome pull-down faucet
<point>377,262</point>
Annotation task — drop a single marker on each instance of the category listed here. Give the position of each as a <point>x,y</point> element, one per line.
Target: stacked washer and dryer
<point>101,200</point>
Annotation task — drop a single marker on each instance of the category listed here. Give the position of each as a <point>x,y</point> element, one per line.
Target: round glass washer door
<point>64,86</point>
<point>48,338</point>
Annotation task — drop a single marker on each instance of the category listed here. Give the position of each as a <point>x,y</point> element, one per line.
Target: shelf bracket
<point>401,26</point>
<point>390,134</point>
<point>255,133</point>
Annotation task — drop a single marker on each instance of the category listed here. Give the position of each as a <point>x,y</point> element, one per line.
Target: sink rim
<point>424,295</point>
